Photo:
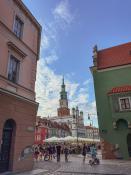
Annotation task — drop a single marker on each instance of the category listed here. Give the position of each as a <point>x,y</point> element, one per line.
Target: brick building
<point>19,51</point>
<point>112,82</point>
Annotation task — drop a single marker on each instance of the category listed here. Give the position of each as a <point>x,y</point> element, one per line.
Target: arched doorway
<point>121,124</point>
<point>129,144</point>
<point>7,137</point>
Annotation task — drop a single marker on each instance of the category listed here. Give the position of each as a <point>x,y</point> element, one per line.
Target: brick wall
<point>24,115</point>
<point>63,112</point>
<point>107,150</point>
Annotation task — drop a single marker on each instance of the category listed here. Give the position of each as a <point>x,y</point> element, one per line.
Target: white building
<point>92,132</point>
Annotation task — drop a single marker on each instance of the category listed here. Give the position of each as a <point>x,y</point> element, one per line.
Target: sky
<point>70,29</point>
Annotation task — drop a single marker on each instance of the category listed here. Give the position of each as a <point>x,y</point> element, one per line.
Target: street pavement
<point>75,166</point>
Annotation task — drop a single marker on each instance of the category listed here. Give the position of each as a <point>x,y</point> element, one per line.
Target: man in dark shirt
<point>58,151</point>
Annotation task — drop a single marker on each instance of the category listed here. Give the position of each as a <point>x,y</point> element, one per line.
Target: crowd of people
<point>53,151</point>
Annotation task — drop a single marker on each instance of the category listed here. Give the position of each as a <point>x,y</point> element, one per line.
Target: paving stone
<point>75,166</point>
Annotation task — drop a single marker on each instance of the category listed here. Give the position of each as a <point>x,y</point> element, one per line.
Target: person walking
<point>58,151</point>
<point>50,151</point>
<point>54,151</point>
<point>36,153</point>
<point>93,151</point>
<point>84,150</point>
<point>66,152</point>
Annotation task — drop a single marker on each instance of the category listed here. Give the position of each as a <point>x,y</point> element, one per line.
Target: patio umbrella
<point>51,139</point>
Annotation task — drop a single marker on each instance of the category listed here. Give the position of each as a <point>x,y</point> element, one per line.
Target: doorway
<point>129,144</point>
<point>7,137</point>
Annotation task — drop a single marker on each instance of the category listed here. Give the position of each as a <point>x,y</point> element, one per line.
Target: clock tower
<point>63,110</point>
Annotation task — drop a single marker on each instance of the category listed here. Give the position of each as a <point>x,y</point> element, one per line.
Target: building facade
<point>51,129</point>
<point>19,52</point>
<point>112,82</point>
<point>41,131</point>
<point>92,132</point>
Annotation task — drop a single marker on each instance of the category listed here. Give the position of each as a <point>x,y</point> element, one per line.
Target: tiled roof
<point>54,124</point>
<point>90,127</point>
<point>114,56</point>
<point>120,89</point>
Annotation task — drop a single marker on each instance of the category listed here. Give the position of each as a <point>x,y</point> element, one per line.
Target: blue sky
<point>70,30</point>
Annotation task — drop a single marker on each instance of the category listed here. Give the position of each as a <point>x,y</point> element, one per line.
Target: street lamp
<point>91,124</point>
<point>76,117</point>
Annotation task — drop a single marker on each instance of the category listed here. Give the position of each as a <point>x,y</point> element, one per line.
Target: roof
<point>51,124</point>
<point>114,56</point>
<point>120,89</point>
<point>90,127</point>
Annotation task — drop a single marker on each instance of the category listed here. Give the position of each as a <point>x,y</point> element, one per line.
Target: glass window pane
<point>125,103</point>
<point>18,27</point>
<point>13,69</point>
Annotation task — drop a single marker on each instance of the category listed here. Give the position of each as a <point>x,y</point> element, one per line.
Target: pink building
<point>19,51</point>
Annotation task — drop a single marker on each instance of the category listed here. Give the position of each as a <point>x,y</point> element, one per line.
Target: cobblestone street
<point>75,166</point>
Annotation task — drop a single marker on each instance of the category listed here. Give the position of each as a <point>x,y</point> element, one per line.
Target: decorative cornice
<point>18,96</point>
<point>114,68</point>
<point>93,69</point>
<point>95,55</point>
<point>16,84</point>
<point>15,48</point>
<point>28,13</point>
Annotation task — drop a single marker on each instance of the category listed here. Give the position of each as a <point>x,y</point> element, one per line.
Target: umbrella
<point>51,139</point>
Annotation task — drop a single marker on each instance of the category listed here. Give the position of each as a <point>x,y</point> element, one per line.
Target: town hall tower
<point>63,110</point>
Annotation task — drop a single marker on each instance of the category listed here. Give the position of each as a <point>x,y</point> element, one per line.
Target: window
<point>18,27</point>
<point>13,69</point>
<point>125,103</point>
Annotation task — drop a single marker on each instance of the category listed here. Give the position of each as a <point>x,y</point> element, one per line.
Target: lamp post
<point>76,116</point>
<point>91,125</point>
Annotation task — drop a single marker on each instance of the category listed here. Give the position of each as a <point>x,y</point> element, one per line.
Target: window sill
<point>128,110</point>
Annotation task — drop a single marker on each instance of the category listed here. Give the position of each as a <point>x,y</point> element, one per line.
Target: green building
<point>112,83</point>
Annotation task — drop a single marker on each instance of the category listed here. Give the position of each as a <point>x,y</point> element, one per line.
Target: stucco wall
<point>104,81</point>
<point>8,11</point>
<point>28,45</point>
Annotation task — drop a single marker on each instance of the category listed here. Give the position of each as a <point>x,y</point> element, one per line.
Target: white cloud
<point>62,14</point>
<point>44,42</point>
<point>48,83</point>
<point>51,58</point>
<point>48,87</point>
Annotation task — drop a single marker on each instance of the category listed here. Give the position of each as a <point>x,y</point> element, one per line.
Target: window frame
<point>11,56</point>
<point>121,98</point>
<point>22,26</point>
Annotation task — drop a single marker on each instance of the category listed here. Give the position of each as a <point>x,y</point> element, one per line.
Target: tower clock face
<point>63,103</point>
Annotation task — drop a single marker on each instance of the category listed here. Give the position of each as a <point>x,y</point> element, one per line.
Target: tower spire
<point>63,80</point>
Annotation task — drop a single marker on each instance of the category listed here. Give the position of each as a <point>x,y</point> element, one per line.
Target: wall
<point>104,81</point>
<point>8,11</point>
<point>24,114</point>
<point>28,45</point>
